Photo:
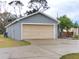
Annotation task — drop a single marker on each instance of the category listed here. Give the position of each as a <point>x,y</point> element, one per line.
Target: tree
<point>65,23</point>
<point>5,19</point>
<point>2,28</point>
<point>75,25</point>
<point>31,11</point>
<point>37,5</point>
<point>19,4</point>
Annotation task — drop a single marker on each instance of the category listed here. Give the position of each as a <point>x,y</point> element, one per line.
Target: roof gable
<point>30,16</point>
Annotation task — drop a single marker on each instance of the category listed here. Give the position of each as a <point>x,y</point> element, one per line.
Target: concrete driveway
<point>41,49</point>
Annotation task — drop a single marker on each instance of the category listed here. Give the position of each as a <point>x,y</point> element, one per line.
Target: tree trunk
<point>20,10</point>
<point>15,11</point>
<point>61,33</point>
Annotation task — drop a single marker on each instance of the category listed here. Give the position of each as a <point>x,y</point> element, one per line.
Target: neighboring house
<point>35,26</point>
<point>76,31</point>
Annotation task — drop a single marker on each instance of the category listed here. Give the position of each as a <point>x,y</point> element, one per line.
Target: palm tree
<point>19,4</point>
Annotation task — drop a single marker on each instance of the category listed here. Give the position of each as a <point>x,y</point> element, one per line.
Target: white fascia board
<point>38,23</point>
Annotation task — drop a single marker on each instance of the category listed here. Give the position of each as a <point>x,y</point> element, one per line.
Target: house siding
<point>14,30</point>
<point>76,31</point>
<point>38,18</point>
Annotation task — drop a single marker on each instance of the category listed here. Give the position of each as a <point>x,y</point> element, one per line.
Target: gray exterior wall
<point>14,31</point>
<point>38,18</point>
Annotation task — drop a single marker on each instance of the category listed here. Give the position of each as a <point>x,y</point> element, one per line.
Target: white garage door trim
<point>32,24</point>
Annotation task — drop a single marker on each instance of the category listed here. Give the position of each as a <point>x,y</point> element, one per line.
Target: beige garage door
<point>37,31</point>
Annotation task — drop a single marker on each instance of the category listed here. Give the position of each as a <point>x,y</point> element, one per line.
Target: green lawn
<point>8,42</point>
<point>71,56</point>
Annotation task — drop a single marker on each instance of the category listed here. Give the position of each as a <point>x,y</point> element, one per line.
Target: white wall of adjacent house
<point>76,31</point>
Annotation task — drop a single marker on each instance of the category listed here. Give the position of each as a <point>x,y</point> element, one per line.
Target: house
<point>76,31</point>
<point>35,26</point>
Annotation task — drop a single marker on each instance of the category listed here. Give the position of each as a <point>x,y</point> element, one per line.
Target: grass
<point>8,42</point>
<point>71,56</point>
<point>76,37</point>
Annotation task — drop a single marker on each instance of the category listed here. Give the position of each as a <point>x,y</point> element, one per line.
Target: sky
<point>57,7</point>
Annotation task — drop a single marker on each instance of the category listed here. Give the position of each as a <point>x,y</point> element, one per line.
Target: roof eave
<point>29,16</point>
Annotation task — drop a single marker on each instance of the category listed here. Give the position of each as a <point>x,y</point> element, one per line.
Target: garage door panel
<point>37,32</point>
<point>37,27</point>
